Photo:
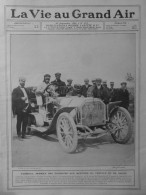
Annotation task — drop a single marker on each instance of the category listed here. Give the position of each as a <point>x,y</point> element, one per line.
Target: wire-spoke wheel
<point>67,132</point>
<point>121,125</point>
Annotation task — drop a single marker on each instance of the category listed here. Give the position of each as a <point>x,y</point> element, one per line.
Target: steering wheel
<point>48,88</point>
<point>51,89</point>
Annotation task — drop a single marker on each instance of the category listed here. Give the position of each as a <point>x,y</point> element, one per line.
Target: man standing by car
<point>90,89</point>
<point>69,87</point>
<point>20,98</point>
<point>123,95</point>
<point>100,92</point>
<point>85,87</point>
<point>60,85</point>
<point>113,92</point>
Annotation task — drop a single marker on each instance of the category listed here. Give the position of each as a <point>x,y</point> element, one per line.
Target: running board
<point>40,129</point>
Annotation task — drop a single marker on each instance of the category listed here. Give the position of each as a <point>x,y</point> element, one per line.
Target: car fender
<point>52,127</point>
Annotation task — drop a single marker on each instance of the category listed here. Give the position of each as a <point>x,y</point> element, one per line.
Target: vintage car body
<point>91,110</point>
<point>80,117</point>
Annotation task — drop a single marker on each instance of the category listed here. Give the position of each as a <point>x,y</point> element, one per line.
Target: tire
<point>121,125</point>
<point>67,132</point>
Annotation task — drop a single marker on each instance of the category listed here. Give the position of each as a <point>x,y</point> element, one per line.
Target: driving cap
<point>111,82</point>
<point>104,82</point>
<point>69,80</point>
<point>47,75</point>
<point>22,79</point>
<point>57,73</point>
<point>86,79</point>
<point>123,83</point>
<point>99,79</point>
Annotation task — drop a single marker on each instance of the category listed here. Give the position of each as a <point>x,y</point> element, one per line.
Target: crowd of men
<point>98,89</point>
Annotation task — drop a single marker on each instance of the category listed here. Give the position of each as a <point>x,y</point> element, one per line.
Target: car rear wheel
<point>67,132</point>
<point>121,125</point>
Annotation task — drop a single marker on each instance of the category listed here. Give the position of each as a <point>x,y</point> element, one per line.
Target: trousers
<point>22,121</point>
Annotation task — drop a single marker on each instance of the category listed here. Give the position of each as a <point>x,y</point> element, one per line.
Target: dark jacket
<point>84,90</point>
<point>113,94</point>
<point>17,103</point>
<point>61,90</point>
<point>69,89</point>
<point>76,92</point>
<point>123,96</point>
<point>101,93</point>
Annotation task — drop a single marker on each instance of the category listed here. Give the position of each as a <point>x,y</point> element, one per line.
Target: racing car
<point>72,118</point>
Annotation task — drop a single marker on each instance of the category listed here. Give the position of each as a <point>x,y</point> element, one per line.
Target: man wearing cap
<point>61,86</point>
<point>123,95</point>
<point>104,84</point>
<point>90,89</point>
<point>113,92</point>
<point>69,87</point>
<point>20,98</point>
<point>85,87</point>
<point>100,92</point>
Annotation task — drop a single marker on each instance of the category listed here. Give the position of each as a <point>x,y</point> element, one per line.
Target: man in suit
<point>90,89</point>
<point>69,87</point>
<point>60,85</point>
<point>85,87</point>
<point>100,92</point>
<point>20,98</point>
<point>123,95</point>
<point>113,92</point>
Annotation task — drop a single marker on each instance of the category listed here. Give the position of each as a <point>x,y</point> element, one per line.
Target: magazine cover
<point>71,97</point>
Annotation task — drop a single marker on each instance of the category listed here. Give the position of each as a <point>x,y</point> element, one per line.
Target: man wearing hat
<point>112,92</point>
<point>61,86</point>
<point>100,92</point>
<point>104,84</point>
<point>123,95</point>
<point>69,87</point>
<point>20,98</point>
<point>85,87</point>
<point>90,89</point>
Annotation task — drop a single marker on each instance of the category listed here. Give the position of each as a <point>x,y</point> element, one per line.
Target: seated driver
<point>41,89</point>
<point>46,93</point>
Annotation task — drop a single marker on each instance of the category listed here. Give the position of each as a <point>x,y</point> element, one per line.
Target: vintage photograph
<point>73,99</point>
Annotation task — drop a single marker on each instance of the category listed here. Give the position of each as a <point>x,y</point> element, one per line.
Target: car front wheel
<point>121,125</point>
<point>67,132</point>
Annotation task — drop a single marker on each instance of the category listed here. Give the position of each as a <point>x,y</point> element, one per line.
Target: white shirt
<point>86,86</point>
<point>41,88</point>
<point>98,86</point>
<point>25,94</point>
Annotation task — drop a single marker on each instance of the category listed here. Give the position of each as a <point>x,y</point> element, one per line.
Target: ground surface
<point>46,151</point>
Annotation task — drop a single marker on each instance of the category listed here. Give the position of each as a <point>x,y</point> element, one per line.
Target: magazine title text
<point>76,14</point>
